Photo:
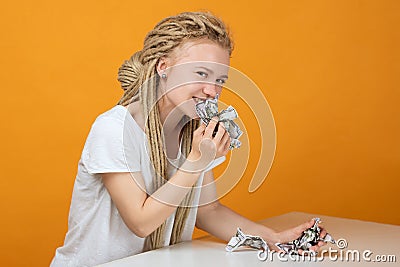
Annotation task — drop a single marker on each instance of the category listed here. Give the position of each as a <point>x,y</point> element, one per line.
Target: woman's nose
<point>211,89</point>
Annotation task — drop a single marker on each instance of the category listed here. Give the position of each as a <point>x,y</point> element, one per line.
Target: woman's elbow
<point>140,229</point>
<point>204,213</point>
<point>141,232</point>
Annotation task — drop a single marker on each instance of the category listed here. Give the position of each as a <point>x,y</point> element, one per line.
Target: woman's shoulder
<point>116,118</point>
<point>116,122</point>
<point>117,113</point>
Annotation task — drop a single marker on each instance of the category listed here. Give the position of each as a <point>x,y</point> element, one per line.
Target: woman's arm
<point>222,222</point>
<point>143,213</point>
<point>140,212</point>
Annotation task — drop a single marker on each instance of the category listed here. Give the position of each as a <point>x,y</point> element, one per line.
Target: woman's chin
<point>192,114</point>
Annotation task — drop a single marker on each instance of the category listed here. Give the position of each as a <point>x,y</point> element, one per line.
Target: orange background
<point>329,70</point>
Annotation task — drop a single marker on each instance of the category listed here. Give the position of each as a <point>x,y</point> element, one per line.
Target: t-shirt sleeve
<point>110,147</point>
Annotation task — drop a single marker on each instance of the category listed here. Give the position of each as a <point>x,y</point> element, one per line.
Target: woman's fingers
<point>220,140</point>
<point>323,232</point>
<point>210,127</point>
<point>302,227</point>
<point>322,235</point>
<point>273,247</point>
<point>200,130</point>
<point>226,141</point>
<point>198,134</point>
<point>220,133</point>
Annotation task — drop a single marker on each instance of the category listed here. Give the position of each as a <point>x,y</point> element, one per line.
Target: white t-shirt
<point>96,232</point>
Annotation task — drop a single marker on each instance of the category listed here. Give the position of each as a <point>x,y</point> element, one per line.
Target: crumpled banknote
<point>242,239</point>
<point>309,238</point>
<point>208,109</point>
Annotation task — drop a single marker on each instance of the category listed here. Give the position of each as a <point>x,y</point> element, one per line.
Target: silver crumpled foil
<point>242,239</point>
<point>208,109</point>
<point>310,237</point>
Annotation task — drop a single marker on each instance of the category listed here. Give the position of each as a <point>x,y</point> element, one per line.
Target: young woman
<point>144,161</point>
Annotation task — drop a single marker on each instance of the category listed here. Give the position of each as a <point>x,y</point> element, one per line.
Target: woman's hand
<point>294,233</point>
<point>205,146</point>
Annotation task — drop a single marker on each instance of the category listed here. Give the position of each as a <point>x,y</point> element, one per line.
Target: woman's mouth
<point>198,99</point>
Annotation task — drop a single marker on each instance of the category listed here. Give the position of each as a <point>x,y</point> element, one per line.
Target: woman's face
<point>195,71</point>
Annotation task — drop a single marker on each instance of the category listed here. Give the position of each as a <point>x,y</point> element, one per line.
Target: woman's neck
<point>171,118</point>
<point>171,121</point>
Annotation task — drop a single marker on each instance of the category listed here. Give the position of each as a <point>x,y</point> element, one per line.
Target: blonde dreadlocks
<point>139,79</point>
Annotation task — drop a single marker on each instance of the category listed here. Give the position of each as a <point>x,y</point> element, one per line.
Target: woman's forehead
<point>211,68</point>
<point>202,50</point>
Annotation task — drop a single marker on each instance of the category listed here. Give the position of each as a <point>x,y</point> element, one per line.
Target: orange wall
<point>327,68</point>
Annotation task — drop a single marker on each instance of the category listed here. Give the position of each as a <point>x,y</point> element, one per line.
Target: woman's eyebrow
<point>211,71</point>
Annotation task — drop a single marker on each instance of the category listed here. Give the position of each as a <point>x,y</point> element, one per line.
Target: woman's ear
<point>162,65</point>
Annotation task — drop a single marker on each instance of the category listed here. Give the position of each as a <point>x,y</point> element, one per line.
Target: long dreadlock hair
<point>139,79</point>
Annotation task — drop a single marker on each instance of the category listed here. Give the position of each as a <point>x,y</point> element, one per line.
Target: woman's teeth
<point>197,100</point>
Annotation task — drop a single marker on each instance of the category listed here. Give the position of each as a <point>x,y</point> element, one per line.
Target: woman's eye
<point>220,81</point>
<point>202,74</point>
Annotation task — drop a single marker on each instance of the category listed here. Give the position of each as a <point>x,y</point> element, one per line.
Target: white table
<point>379,239</point>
